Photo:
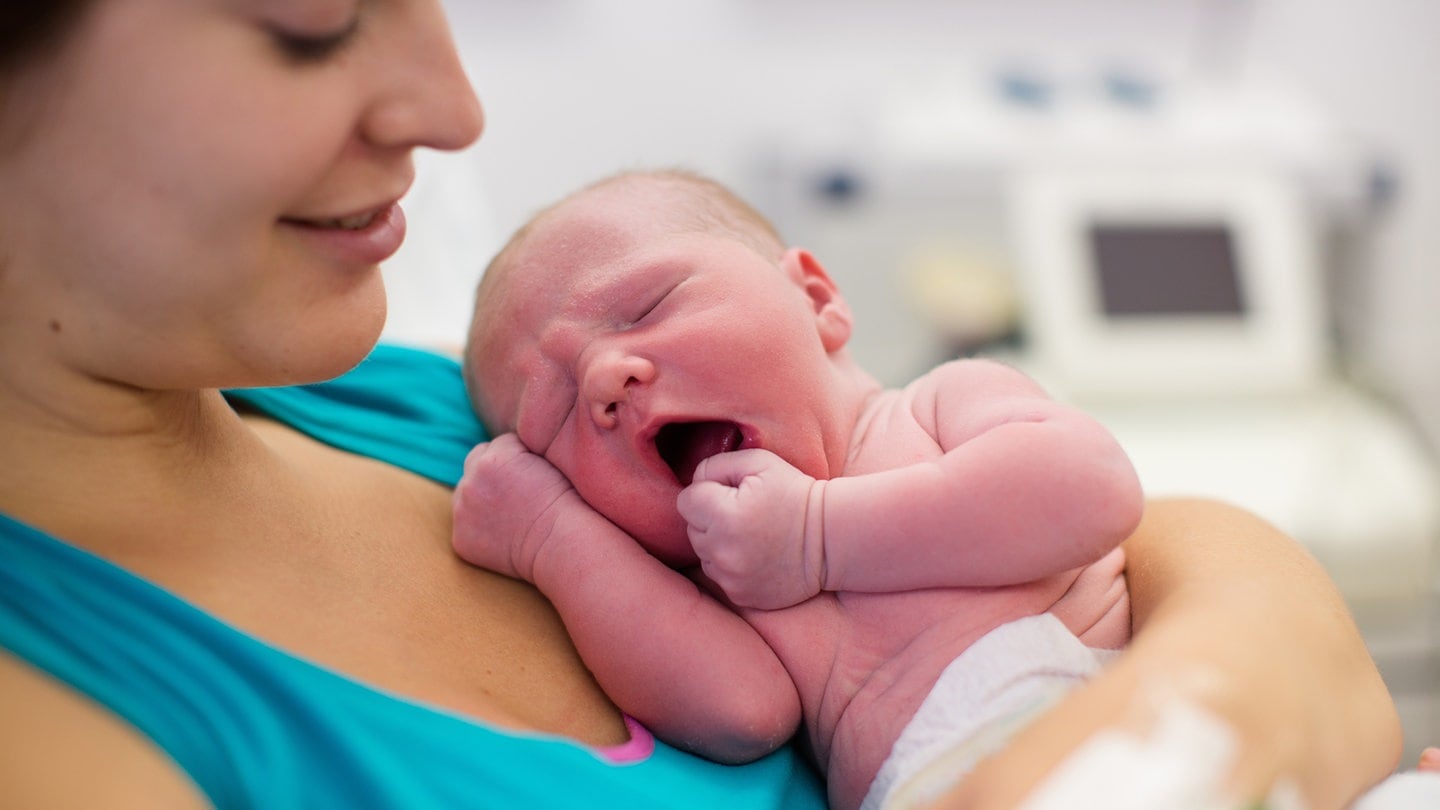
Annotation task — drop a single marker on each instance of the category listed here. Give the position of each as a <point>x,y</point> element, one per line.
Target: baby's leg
<point>1429,760</point>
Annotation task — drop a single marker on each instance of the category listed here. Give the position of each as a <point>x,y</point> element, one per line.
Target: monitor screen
<point>1166,269</point>
<point>1164,283</point>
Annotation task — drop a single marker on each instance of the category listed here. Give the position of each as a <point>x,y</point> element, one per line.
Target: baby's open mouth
<point>683,445</point>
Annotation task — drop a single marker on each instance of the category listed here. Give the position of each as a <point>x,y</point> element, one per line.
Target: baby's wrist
<point>817,561</point>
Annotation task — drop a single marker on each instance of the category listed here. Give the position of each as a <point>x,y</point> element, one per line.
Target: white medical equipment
<point>1185,307</point>
<point>1165,282</point>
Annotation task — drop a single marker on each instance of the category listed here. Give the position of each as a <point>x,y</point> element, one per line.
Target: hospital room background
<point>1215,224</point>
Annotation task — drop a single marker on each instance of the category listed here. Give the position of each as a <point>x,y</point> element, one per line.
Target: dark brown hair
<point>29,28</point>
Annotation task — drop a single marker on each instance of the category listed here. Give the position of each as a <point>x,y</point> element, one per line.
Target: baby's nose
<point>610,381</point>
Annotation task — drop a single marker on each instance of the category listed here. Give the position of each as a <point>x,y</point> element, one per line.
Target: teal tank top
<point>255,727</point>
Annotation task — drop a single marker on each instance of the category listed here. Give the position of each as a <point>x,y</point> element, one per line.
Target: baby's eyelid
<point>649,309</point>
<point>655,304</point>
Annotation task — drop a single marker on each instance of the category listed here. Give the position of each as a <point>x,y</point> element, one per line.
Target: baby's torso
<point>864,662</point>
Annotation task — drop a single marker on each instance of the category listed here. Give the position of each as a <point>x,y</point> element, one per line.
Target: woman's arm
<point>1235,617</point>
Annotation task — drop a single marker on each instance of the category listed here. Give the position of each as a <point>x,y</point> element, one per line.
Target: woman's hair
<point>30,28</point>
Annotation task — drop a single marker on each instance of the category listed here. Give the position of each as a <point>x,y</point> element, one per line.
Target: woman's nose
<point>426,98</point>
<point>610,379</point>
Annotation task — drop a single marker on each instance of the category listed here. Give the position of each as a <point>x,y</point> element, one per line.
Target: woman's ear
<point>832,314</point>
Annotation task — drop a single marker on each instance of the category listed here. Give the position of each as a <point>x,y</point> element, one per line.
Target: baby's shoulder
<point>969,381</point>
<point>974,376</point>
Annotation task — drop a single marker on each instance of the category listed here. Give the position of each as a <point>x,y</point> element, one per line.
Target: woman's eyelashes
<point>314,47</point>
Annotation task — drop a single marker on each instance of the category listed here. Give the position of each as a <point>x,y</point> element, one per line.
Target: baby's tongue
<point>703,440</point>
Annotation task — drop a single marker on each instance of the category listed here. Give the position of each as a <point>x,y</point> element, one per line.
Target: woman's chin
<point>320,350</point>
<point>345,351</point>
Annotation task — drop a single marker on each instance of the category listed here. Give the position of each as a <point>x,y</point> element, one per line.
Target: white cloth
<point>1411,790</point>
<point>990,691</point>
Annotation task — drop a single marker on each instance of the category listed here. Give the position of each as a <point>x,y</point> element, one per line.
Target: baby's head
<point>644,323</point>
<point>676,200</point>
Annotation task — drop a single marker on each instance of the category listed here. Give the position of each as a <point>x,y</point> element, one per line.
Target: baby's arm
<point>1026,487</point>
<point>668,654</point>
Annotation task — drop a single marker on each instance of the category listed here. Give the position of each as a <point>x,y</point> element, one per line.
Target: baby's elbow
<point>753,729</point>
<point>1114,504</point>
<point>741,749</point>
<point>1099,481</point>
<point>1119,506</point>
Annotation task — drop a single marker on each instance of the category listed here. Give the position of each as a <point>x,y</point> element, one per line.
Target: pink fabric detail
<point>640,745</point>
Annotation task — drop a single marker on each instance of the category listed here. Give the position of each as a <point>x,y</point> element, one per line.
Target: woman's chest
<point>356,574</point>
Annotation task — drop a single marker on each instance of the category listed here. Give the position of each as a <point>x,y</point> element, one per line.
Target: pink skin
<point>699,677</point>
<point>196,244</point>
<point>1430,760</point>
<point>882,532</point>
<point>757,525</point>
<point>604,363</point>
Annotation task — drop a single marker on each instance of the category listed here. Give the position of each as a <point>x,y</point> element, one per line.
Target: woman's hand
<point>1237,619</point>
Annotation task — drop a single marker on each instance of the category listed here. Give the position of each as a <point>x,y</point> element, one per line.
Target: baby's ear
<point>832,314</point>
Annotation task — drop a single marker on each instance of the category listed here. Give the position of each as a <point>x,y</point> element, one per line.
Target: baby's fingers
<point>733,467</point>
<point>701,502</point>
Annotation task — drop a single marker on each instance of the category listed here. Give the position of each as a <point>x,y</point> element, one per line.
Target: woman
<point>194,196</point>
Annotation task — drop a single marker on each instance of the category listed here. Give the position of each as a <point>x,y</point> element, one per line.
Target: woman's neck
<point>99,451</point>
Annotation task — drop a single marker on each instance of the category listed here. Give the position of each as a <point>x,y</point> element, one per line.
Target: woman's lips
<point>366,239</point>
<point>683,445</point>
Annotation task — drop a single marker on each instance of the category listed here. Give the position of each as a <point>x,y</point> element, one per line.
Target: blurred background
<point>1213,223</point>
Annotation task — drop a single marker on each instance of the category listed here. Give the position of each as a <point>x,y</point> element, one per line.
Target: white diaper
<point>990,691</point>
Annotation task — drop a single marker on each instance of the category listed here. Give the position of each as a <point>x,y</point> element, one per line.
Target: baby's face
<point>625,351</point>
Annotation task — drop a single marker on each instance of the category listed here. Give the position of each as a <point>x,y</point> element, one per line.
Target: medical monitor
<point>1167,282</point>
<point>1166,269</point>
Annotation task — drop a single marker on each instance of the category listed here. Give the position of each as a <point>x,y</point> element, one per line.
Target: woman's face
<point>197,193</point>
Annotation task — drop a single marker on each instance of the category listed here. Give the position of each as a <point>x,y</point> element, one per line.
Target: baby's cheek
<point>667,539</point>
